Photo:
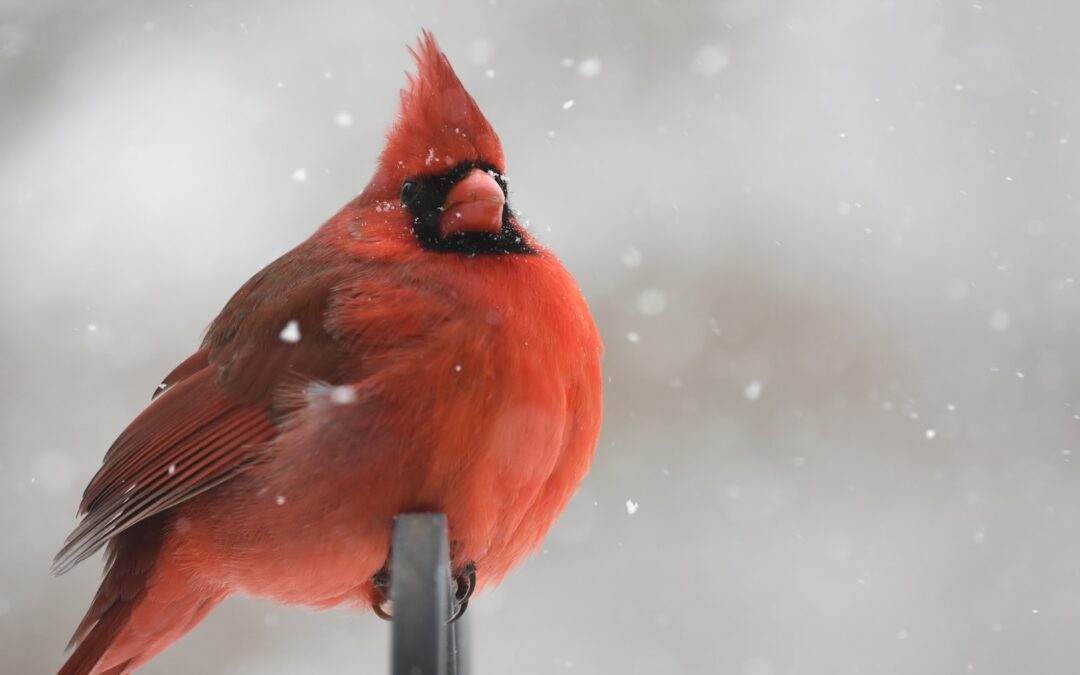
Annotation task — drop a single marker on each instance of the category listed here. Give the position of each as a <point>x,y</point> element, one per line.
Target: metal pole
<point>422,598</point>
<point>457,654</point>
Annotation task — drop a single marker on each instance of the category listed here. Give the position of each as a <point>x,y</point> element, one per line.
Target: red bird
<point>420,352</point>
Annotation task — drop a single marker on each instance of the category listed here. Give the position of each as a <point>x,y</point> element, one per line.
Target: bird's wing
<point>188,440</point>
<point>213,415</point>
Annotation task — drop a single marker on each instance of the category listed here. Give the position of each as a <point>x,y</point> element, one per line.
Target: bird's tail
<point>145,603</point>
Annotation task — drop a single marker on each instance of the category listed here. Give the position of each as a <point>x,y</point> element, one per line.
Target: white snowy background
<point>833,246</point>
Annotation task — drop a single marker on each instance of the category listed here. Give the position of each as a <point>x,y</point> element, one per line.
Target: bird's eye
<point>409,190</point>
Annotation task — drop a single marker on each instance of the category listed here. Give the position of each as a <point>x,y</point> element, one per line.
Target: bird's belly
<point>312,525</point>
<point>300,548</point>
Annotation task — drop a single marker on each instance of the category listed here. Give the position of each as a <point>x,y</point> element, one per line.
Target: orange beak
<point>475,204</point>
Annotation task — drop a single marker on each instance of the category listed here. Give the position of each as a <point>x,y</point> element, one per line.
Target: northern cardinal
<point>419,352</point>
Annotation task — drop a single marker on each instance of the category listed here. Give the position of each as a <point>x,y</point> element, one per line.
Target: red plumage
<point>416,353</point>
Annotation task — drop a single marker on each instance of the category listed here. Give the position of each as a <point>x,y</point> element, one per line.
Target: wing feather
<point>215,413</point>
<point>157,464</point>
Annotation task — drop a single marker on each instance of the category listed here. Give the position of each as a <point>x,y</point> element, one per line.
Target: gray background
<point>832,247</point>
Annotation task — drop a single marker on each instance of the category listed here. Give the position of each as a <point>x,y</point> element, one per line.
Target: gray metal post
<point>422,598</point>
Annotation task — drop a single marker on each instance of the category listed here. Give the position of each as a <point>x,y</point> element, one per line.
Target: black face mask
<point>425,197</point>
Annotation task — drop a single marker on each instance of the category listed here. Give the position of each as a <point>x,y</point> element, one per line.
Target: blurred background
<point>833,248</point>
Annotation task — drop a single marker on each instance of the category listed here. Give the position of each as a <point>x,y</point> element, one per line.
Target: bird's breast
<point>483,407</point>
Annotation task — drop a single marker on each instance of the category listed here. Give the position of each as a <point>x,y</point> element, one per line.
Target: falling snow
<point>590,67</point>
<point>652,302</point>
<point>291,332</point>
<point>805,273</point>
<point>711,60</point>
<point>342,395</point>
<point>343,120</point>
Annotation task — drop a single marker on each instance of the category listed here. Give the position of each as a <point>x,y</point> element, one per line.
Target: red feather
<point>378,368</point>
<point>187,441</point>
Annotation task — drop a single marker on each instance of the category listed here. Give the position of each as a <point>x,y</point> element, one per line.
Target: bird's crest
<point>439,125</point>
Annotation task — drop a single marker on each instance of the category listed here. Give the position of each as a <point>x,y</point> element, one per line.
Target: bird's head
<point>444,165</point>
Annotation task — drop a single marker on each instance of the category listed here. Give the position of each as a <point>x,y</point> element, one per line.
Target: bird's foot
<point>466,585</point>
<point>381,582</point>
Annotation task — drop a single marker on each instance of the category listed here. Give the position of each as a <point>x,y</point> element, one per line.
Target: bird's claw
<point>381,582</point>
<point>466,585</point>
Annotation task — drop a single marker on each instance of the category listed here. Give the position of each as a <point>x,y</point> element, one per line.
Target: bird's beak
<point>475,204</point>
